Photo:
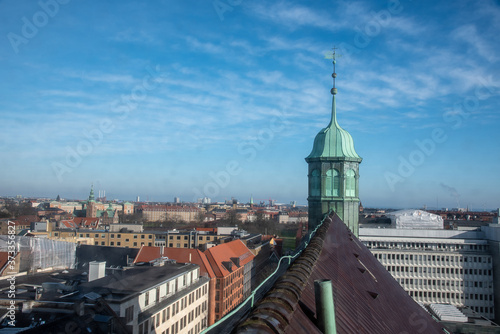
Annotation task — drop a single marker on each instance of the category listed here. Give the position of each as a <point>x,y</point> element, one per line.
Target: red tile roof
<point>367,298</point>
<point>86,222</point>
<point>182,255</point>
<point>68,224</point>
<point>224,252</point>
<point>207,229</point>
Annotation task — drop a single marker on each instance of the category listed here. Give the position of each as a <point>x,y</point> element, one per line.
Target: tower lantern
<point>334,171</point>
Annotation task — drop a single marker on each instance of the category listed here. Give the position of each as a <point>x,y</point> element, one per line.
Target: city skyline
<point>223,99</point>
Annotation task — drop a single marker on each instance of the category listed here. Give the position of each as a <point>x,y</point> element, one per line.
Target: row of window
<point>426,246</point>
<point>439,270</point>
<point>118,243</point>
<point>332,183</point>
<point>444,284</point>
<point>112,236</point>
<point>433,258</point>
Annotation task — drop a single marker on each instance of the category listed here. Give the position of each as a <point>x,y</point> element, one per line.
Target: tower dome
<point>333,142</point>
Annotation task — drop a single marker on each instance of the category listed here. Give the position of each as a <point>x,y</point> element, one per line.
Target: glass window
<point>315,183</point>
<point>350,183</point>
<point>332,183</point>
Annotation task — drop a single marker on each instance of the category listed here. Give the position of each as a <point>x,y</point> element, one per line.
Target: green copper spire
<point>91,196</point>
<point>333,141</point>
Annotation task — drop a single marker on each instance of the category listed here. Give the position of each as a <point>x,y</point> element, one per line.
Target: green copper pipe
<point>325,310</point>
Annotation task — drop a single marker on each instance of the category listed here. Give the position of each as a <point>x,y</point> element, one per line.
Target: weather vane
<point>333,56</point>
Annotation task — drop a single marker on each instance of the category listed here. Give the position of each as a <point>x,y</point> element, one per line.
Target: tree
<point>232,218</point>
<point>200,217</point>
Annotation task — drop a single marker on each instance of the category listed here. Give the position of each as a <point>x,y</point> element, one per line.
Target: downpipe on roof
<point>325,309</point>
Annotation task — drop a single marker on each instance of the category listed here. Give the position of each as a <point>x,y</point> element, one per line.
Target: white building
<point>438,266</point>
<point>171,298</point>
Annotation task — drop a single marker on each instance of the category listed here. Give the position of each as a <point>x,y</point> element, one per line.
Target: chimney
<point>97,270</point>
<point>325,309</point>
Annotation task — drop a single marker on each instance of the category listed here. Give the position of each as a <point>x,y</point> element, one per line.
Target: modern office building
<point>439,266</point>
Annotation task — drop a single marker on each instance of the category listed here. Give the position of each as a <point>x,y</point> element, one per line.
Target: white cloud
<point>469,34</point>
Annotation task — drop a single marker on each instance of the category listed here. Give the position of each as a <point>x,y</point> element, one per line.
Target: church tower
<point>334,172</point>
<point>91,205</point>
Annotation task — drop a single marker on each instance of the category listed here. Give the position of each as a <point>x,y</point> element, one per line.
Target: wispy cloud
<point>468,33</point>
<point>293,16</point>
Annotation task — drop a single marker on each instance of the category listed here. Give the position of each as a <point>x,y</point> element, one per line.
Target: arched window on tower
<point>332,183</point>
<point>315,183</point>
<point>350,183</point>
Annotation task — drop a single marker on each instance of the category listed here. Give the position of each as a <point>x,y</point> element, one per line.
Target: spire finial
<point>334,74</point>
<point>333,56</point>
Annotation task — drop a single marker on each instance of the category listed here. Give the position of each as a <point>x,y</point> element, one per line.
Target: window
<point>112,243</point>
<point>97,236</point>
<point>332,183</point>
<point>142,236</point>
<point>146,299</point>
<point>127,240</point>
<point>118,243</point>
<point>129,314</point>
<point>185,237</point>
<point>185,245</point>
<point>135,236</point>
<point>102,243</point>
<point>135,244</point>
<point>315,183</point>
<point>350,183</point>
<point>112,235</point>
<point>118,235</point>
<point>150,236</point>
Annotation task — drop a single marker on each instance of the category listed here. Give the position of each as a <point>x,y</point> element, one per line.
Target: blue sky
<point>223,98</point>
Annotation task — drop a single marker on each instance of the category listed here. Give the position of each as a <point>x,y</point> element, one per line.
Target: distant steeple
<point>91,196</point>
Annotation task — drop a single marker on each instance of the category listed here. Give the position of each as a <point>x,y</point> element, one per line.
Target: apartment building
<point>149,254</point>
<point>156,213</point>
<point>185,239</point>
<point>167,298</point>
<point>232,264</point>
